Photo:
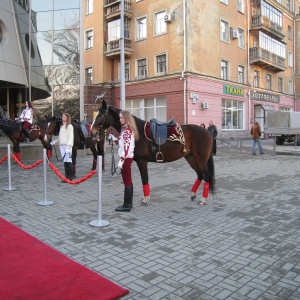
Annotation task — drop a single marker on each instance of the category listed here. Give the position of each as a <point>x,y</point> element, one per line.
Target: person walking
<point>214,132</point>
<point>129,134</point>
<point>26,117</point>
<point>66,142</point>
<point>256,134</point>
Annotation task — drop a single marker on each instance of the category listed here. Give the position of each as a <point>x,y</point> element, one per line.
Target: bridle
<point>106,115</point>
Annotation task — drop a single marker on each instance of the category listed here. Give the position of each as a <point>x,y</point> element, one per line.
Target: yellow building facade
<point>229,61</point>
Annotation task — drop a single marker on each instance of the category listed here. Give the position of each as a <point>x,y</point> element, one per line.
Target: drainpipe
<point>184,62</point>
<point>294,57</point>
<point>248,60</point>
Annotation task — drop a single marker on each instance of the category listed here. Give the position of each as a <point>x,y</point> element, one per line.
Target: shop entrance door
<point>259,116</point>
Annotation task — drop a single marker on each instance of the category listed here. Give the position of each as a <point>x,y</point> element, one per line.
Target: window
<point>113,30</point>
<point>89,75</point>
<point>269,82</point>
<point>232,114</point>
<point>160,24</point>
<point>89,39</point>
<point>161,63</point>
<point>148,108</point>
<point>290,33</point>
<point>141,32</point>
<point>241,38</point>
<point>282,108</point>
<point>224,69</point>
<point>290,59</point>
<point>290,87</point>
<point>288,4</point>
<point>241,6</point>
<point>256,79</point>
<point>280,85</point>
<point>89,6</point>
<point>241,74</point>
<point>142,68</point>
<point>224,1</point>
<point>271,13</point>
<point>279,1</point>
<point>271,45</point>
<point>224,31</point>
<point>126,71</point>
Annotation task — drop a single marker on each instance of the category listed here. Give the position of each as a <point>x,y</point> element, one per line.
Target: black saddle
<point>159,130</point>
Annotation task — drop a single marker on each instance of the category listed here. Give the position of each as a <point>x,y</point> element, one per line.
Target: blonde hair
<point>68,119</point>
<point>129,120</point>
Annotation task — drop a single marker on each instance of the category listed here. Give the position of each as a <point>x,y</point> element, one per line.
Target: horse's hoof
<point>145,201</point>
<point>193,196</point>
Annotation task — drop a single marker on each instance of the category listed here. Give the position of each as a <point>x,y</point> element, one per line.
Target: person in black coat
<point>214,132</point>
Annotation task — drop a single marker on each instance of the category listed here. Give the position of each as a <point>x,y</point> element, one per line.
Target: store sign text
<point>233,90</point>
<point>264,97</point>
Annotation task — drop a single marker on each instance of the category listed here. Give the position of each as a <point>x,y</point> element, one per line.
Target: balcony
<point>113,9</point>
<point>260,22</point>
<point>267,60</point>
<point>113,48</point>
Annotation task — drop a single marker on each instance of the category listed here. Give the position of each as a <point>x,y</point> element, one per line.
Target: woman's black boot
<point>128,195</point>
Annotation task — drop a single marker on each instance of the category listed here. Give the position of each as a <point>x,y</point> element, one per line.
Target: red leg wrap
<point>146,189</point>
<point>49,154</point>
<point>196,185</point>
<point>18,155</point>
<point>205,189</point>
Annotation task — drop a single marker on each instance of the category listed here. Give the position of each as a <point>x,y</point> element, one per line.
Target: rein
<point>113,163</point>
<point>57,156</point>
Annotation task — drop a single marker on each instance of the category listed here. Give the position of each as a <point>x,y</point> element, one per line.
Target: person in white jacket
<point>26,117</point>
<point>66,142</point>
<point>129,134</point>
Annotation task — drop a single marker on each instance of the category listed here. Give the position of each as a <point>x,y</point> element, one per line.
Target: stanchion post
<point>9,171</point>
<point>45,202</point>
<point>99,222</point>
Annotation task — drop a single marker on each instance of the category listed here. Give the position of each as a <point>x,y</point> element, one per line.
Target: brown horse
<point>13,131</point>
<point>192,142</point>
<point>97,147</point>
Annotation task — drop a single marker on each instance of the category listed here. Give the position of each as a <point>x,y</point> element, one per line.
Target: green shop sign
<point>233,90</point>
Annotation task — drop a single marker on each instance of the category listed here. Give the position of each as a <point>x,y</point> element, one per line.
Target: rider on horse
<point>26,117</point>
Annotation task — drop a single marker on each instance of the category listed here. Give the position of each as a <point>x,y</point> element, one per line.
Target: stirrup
<point>159,155</point>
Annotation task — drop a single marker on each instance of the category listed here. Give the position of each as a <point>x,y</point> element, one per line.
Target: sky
<point>63,9</point>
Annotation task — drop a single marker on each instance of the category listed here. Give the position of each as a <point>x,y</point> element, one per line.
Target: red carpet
<point>29,269</point>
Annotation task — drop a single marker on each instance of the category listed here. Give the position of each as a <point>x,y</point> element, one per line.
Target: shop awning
<point>268,107</point>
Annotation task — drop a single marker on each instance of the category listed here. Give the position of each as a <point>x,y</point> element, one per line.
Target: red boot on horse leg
<point>205,193</point>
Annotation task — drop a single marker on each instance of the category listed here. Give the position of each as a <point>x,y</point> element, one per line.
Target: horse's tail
<point>211,172</point>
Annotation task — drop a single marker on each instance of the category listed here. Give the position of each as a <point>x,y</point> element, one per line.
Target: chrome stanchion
<point>45,202</point>
<point>99,222</point>
<point>9,171</point>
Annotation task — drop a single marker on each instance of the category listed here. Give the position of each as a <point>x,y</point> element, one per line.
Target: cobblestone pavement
<point>245,244</point>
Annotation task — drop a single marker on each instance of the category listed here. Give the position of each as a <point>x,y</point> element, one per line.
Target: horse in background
<point>192,142</point>
<point>81,140</point>
<point>13,130</point>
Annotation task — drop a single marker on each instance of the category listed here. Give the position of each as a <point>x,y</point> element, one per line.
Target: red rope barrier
<point>3,159</point>
<point>26,167</point>
<point>86,177</point>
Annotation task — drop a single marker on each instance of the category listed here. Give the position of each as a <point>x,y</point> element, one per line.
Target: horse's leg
<point>16,148</point>
<point>94,152</point>
<point>190,159</point>
<point>100,147</point>
<point>143,167</point>
<point>74,156</point>
<point>205,193</point>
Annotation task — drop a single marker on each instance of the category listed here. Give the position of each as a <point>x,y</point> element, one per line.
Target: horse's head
<point>107,116</point>
<point>51,129</point>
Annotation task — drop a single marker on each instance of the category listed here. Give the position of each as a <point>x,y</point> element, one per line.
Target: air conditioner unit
<point>234,34</point>
<point>168,18</point>
<point>204,105</point>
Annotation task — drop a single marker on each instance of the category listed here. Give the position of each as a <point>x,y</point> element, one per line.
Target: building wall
<point>204,53</point>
